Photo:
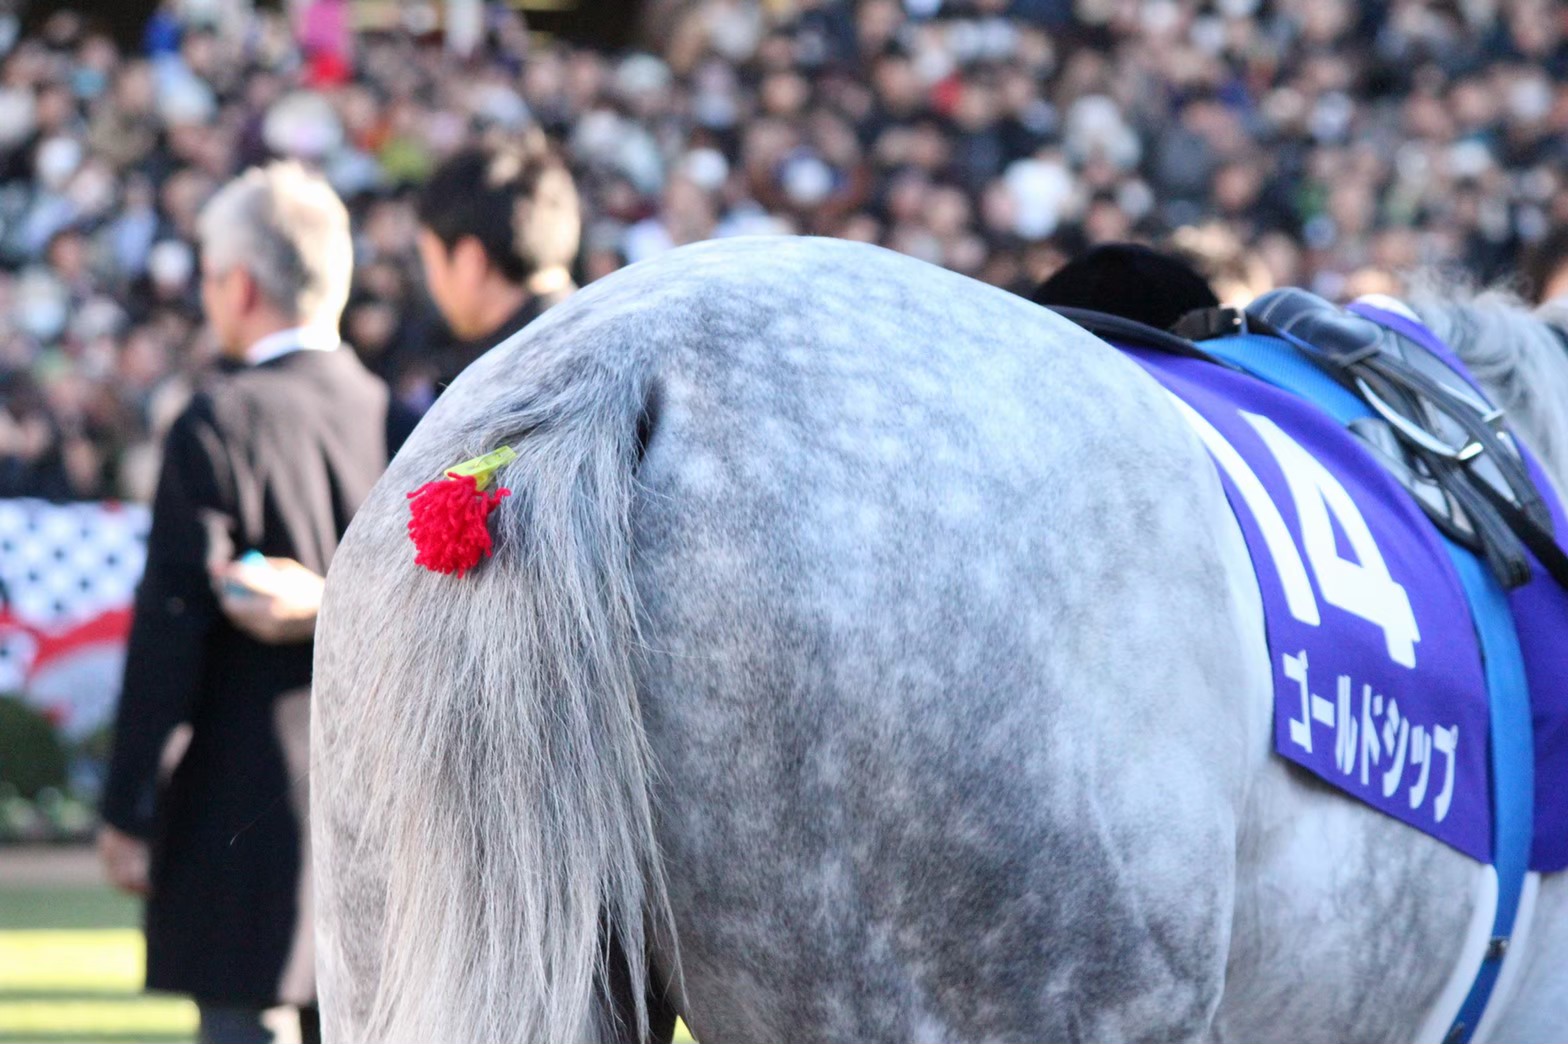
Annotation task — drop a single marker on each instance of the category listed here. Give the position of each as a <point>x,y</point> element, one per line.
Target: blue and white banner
<point>67,576</point>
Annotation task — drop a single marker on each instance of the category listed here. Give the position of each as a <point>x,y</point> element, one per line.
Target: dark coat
<point>274,458</point>
<point>452,360</point>
<point>440,359</point>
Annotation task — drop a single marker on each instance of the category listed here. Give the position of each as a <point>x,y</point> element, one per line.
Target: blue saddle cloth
<point>1381,687</point>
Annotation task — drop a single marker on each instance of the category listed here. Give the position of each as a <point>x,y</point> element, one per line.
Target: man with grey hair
<point>260,477</point>
<point>277,261</point>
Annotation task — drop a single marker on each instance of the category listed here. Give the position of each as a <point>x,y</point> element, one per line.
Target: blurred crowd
<point>1325,143</point>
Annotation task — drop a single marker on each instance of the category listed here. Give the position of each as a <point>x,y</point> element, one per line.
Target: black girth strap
<point>1130,331</point>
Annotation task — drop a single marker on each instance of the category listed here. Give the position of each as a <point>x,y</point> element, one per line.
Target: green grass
<point>71,970</point>
<point>66,907</point>
<point>77,983</point>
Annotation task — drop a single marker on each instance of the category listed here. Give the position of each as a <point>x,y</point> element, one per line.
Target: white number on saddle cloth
<point>1362,588</point>
<point>1282,548</point>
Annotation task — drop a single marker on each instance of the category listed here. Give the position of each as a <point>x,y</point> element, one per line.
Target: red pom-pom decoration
<point>448,522</point>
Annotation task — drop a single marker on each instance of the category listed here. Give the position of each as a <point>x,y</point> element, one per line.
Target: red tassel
<point>448,522</point>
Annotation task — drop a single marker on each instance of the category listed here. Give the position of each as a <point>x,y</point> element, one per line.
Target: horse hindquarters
<point>951,720</point>
<point>938,652</point>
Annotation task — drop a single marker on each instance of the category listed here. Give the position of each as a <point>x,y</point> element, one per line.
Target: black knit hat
<point>1129,280</point>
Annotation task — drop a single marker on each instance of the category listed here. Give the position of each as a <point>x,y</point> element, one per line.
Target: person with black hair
<point>499,227</point>
<point>1545,268</point>
<point>32,461</point>
<point>1129,280</point>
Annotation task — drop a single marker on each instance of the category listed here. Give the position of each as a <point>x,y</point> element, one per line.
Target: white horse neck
<point>1521,359</point>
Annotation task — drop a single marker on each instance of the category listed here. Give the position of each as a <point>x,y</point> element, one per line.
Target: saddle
<point>1434,432</point>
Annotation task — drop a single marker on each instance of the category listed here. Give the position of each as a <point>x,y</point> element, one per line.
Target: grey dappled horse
<point>887,643</point>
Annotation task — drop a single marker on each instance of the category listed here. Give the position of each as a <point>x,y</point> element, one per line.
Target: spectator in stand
<point>1236,274</point>
<point>31,460</point>
<point>1339,143</point>
<point>1546,269</point>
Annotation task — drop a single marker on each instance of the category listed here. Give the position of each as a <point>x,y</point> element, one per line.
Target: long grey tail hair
<point>490,819</point>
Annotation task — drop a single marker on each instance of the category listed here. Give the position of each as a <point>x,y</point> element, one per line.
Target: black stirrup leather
<point>1450,436</point>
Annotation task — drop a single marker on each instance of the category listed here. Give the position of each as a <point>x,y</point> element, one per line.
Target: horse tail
<point>484,824</point>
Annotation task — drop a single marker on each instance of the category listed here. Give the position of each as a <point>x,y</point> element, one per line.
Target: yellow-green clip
<point>484,468</point>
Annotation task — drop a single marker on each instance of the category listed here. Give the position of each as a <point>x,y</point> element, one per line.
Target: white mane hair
<point>1518,354</point>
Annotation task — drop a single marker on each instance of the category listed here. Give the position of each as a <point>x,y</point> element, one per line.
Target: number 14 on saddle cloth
<point>1380,687</point>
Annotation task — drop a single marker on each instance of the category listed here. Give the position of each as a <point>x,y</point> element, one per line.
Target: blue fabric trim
<point>1287,367</point>
<point>1511,741</point>
<point>1513,767</point>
